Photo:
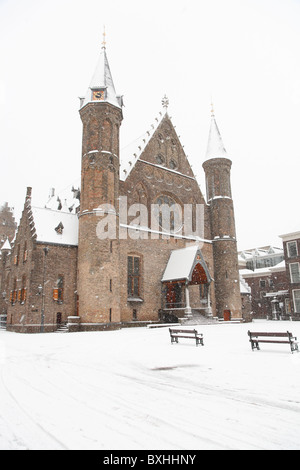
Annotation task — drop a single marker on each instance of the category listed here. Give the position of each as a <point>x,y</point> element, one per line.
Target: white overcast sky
<point>242,54</point>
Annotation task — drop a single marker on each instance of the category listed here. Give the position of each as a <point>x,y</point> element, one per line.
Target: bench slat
<point>183,331</point>
<point>182,336</point>
<point>269,334</point>
<point>274,341</point>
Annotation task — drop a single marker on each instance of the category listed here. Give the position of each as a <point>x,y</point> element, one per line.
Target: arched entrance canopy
<point>186,267</point>
<point>187,264</point>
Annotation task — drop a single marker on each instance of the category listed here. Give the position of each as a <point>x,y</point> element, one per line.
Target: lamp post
<point>43,290</point>
<point>3,314</point>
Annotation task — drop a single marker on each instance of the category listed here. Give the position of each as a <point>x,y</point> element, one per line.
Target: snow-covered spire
<point>6,246</point>
<point>102,87</point>
<point>215,146</point>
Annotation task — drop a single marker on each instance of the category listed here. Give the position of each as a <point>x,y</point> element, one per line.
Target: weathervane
<point>212,109</point>
<point>104,36</point>
<point>165,102</point>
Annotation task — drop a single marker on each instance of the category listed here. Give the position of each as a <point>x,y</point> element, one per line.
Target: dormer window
<point>59,229</point>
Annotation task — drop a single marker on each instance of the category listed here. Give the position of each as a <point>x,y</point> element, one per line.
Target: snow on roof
<point>260,251</point>
<point>55,226</point>
<point>180,263</point>
<point>241,260</point>
<point>278,267</point>
<point>215,146</point>
<point>292,235</point>
<point>257,273</point>
<point>6,245</point>
<point>132,152</point>
<point>67,200</point>
<point>244,287</point>
<point>102,79</point>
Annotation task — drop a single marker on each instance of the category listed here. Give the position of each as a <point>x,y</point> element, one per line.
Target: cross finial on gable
<point>165,102</point>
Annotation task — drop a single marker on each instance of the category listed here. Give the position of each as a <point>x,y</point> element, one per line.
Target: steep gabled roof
<point>136,151</point>
<point>50,226</point>
<point>132,152</point>
<point>181,263</point>
<point>46,221</point>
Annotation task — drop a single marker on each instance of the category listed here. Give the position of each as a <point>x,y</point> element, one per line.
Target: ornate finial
<point>165,102</point>
<point>104,41</point>
<point>212,109</point>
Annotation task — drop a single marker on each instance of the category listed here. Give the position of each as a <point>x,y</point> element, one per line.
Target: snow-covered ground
<point>131,389</point>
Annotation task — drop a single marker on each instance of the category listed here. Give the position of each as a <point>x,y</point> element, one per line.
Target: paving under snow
<point>132,389</point>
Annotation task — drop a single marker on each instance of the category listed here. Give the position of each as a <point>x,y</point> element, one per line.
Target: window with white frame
<point>296,296</point>
<point>292,249</point>
<point>295,273</point>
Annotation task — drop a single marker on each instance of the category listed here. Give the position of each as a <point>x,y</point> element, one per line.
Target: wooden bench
<point>264,337</point>
<point>190,334</point>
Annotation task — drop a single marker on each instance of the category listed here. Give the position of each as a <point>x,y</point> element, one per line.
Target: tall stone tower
<point>98,253</point>
<point>219,198</point>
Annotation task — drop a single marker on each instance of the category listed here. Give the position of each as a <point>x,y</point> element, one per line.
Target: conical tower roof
<point>215,146</point>
<point>102,81</point>
<point>6,246</point>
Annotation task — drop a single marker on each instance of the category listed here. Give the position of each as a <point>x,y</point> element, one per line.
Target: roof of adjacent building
<point>294,235</point>
<point>244,287</point>
<point>267,271</point>
<point>55,227</point>
<point>265,251</point>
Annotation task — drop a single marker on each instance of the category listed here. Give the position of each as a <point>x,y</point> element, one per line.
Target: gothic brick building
<point>110,259</point>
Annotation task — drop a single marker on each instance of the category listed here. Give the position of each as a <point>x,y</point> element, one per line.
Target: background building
<point>291,246</point>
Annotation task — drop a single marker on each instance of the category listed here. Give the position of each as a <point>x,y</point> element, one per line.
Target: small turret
<point>218,189</point>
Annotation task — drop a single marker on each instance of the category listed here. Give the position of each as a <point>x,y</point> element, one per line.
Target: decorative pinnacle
<point>165,102</point>
<point>212,109</point>
<point>104,41</point>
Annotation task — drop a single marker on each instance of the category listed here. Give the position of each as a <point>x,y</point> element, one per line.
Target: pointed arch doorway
<point>199,288</point>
